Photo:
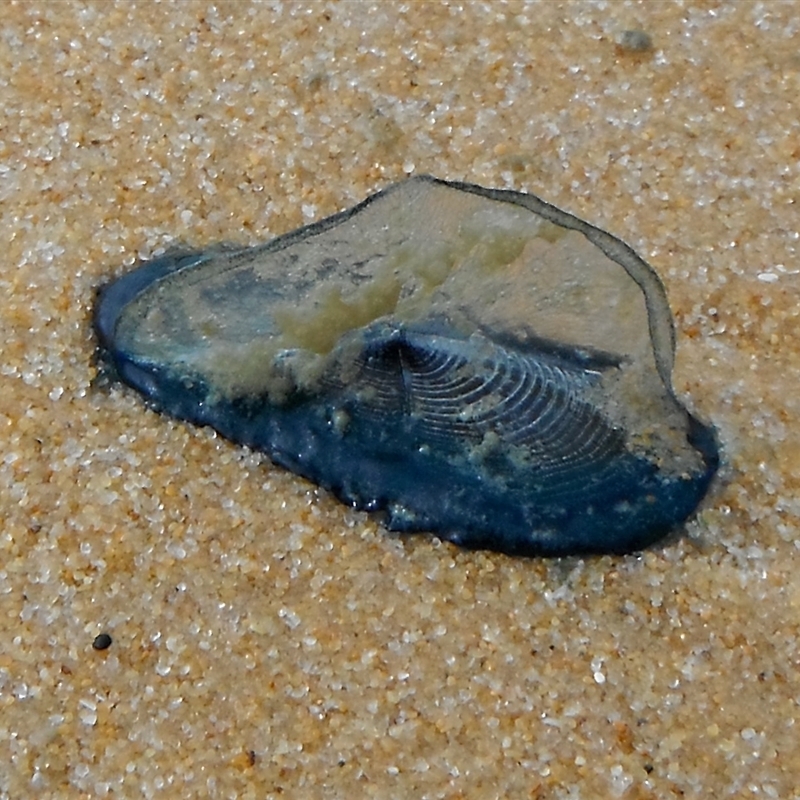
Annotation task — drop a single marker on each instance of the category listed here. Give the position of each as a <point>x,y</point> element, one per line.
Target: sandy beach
<point>268,642</point>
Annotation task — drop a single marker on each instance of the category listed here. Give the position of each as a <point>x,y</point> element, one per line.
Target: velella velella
<point>470,362</point>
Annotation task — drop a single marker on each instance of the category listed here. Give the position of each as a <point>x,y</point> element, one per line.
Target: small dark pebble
<point>635,41</point>
<point>648,768</point>
<point>102,641</point>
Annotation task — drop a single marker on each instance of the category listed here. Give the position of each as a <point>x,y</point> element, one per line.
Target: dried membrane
<point>466,361</point>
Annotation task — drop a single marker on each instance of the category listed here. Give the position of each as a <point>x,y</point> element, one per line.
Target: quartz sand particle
<point>257,614</point>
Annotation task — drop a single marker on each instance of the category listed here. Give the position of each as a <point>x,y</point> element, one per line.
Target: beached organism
<point>471,362</point>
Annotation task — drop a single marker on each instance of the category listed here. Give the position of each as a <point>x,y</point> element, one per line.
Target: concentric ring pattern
<point>480,399</point>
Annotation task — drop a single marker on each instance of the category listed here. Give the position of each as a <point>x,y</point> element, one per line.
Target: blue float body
<point>378,465</point>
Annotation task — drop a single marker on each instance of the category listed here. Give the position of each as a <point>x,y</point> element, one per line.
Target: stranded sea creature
<point>466,361</point>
